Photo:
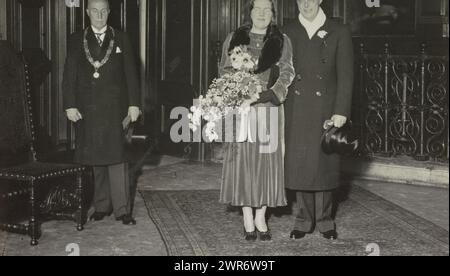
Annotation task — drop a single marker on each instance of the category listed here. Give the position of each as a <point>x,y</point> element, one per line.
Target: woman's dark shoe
<point>297,235</point>
<point>265,236</point>
<point>250,236</point>
<point>99,216</point>
<point>127,219</point>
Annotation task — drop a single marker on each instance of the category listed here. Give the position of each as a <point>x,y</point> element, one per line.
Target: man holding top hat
<point>101,91</point>
<point>319,97</point>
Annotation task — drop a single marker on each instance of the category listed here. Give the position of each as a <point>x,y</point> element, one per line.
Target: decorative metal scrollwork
<point>404,105</point>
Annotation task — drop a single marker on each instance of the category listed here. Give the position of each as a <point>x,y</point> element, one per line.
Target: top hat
<point>341,141</point>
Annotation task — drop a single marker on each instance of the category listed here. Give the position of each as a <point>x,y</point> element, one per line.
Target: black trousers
<point>315,209</point>
<point>112,189</point>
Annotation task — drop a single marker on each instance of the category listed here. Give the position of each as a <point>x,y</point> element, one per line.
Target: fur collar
<point>272,50</point>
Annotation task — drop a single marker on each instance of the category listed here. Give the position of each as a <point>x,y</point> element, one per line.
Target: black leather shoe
<point>330,235</point>
<point>265,236</point>
<point>297,234</point>
<point>127,219</point>
<point>250,236</point>
<point>99,216</point>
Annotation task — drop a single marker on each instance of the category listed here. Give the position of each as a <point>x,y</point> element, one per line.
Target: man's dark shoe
<point>127,219</point>
<point>330,235</point>
<point>297,235</point>
<point>99,216</point>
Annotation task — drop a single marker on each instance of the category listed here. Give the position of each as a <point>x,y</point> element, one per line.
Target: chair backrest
<point>16,129</point>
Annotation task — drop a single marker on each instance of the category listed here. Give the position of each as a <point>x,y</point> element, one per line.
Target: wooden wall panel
<point>29,31</point>
<point>3,20</point>
<point>61,15</point>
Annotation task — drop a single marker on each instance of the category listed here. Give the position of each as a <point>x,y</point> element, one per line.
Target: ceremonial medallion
<point>98,64</point>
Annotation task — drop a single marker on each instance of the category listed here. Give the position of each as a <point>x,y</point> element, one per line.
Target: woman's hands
<point>267,96</point>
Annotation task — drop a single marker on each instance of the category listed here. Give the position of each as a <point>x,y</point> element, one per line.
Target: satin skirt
<point>251,178</point>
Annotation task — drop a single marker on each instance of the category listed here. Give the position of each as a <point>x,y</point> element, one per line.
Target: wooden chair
<point>19,168</point>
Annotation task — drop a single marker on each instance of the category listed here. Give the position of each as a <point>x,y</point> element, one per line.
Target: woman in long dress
<point>253,177</point>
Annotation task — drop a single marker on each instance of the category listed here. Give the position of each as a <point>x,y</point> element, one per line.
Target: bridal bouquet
<point>234,91</point>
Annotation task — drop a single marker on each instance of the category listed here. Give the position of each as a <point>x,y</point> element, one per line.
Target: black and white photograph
<point>251,130</point>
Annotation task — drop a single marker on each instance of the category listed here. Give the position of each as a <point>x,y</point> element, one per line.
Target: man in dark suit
<point>100,90</point>
<point>321,92</point>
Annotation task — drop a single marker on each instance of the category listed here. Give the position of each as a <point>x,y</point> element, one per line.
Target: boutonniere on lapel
<point>118,51</point>
<point>322,34</point>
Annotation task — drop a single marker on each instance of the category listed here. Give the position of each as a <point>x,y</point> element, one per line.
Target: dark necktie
<point>99,40</point>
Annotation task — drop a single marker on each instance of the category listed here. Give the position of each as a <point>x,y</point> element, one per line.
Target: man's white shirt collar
<point>315,25</point>
<point>102,31</point>
<point>97,31</point>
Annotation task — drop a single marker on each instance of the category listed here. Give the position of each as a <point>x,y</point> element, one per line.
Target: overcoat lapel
<point>303,41</point>
<point>105,44</point>
<point>300,44</point>
<point>329,27</point>
<point>94,48</point>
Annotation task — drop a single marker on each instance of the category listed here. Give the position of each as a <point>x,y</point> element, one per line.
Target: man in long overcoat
<point>321,91</point>
<point>100,90</point>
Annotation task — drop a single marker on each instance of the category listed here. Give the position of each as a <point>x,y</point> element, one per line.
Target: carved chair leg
<point>34,223</point>
<point>80,217</point>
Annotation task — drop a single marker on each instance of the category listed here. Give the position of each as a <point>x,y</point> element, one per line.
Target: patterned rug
<point>193,223</point>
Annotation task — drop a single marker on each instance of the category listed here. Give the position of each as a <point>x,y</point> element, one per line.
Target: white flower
<point>236,51</point>
<point>211,132</point>
<point>237,63</point>
<point>245,107</point>
<point>248,64</point>
<point>322,34</point>
<point>193,127</point>
<point>241,60</point>
<point>254,97</point>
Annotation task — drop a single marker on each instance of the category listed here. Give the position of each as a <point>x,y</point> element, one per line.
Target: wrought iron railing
<point>401,105</point>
